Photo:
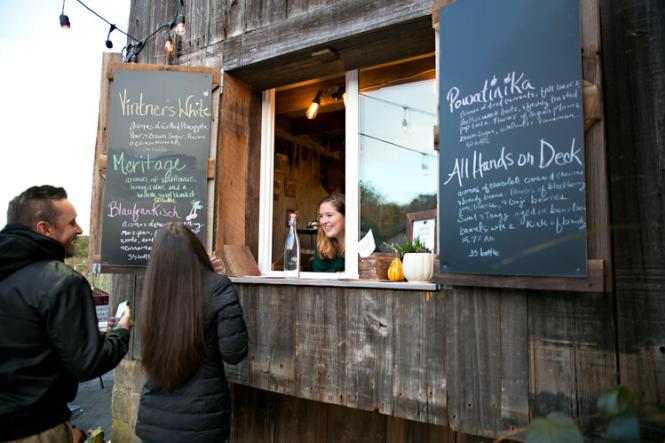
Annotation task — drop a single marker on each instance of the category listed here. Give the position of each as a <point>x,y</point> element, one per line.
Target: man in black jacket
<point>49,338</point>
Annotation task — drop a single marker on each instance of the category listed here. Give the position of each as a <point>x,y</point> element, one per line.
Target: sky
<point>49,90</point>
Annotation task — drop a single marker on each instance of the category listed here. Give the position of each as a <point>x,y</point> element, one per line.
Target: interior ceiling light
<point>313,108</point>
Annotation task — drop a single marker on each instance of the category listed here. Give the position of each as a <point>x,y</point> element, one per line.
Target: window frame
<point>352,216</point>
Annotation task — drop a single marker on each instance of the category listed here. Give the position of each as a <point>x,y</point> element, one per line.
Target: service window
<point>367,134</point>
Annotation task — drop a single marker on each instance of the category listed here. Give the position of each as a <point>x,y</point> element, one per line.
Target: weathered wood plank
<point>571,355</point>
<point>319,27</point>
<point>345,424</point>
<point>369,355</point>
<point>406,39</point>
<point>232,158</point>
<point>123,287</point>
<point>253,178</point>
<point>593,282</point>
<point>338,346</point>
<point>101,151</point>
<point>473,364</point>
<point>634,73</point>
<point>262,13</point>
<point>409,359</point>
<point>319,356</point>
<point>399,430</point>
<point>298,7</point>
<point>514,361</point>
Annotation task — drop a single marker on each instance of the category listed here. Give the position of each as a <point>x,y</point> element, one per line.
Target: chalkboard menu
<point>157,167</point>
<point>511,168</point>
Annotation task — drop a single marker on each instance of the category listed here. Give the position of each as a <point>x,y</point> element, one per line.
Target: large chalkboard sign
<point>512,185</point>
<point>157,167</point>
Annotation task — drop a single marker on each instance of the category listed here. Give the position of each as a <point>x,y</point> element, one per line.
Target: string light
<point>109,43</point>
<point>337,93</point>
<point>131,51</point>
<point>64,20</point>
<point>313,108</point>
<point>169,45</point>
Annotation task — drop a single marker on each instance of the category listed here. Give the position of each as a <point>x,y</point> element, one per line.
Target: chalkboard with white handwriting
<point>511,168</point>
<point>159,138</point>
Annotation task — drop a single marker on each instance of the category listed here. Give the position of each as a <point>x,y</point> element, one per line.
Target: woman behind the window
<point>329,254</point>
<point>191,321</point>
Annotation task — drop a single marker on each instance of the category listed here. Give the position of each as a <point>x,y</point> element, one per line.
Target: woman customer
<point>191,321</point>
<point>329,254</point>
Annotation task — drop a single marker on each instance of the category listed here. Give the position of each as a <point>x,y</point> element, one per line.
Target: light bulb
<point>180,26</point>
<point>405,122</point>
<point>64,22</point>
<point>169,45</point>
<point>313,108</point>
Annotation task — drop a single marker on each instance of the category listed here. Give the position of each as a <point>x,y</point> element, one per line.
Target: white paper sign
<point>425,229</point>
<point>366,246</point>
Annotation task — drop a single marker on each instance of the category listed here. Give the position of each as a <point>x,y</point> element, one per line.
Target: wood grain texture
<point>364,349</point>
<point>317,27</point>
<point>260,416</point>
<point>594,282</point>
<point>99,162</point>
<point>232,158</point>
<point>634,73</point>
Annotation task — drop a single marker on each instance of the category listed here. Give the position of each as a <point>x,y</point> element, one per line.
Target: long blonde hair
<point>329,248</point>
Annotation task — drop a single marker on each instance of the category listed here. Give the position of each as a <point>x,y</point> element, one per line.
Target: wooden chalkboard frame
<point>599,262</point>
<point>111,64</point>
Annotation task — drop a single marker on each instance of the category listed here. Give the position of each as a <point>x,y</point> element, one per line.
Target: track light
<point>313,108</point>
<point>109,43</point>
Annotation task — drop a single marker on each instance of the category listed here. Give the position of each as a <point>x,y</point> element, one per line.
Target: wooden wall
<point>481,361</point>
<point>634,65</point>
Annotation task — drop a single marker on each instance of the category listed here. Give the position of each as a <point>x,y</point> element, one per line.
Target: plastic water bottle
<point>292,250</point>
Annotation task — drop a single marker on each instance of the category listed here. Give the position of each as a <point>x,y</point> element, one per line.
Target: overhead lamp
<point>109,43</point>
<point>313,108</point>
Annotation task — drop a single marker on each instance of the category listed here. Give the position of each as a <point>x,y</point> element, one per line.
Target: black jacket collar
<point>20,246</point>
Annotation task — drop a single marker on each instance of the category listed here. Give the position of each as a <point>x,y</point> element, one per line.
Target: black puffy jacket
<point>49,339</point>
<point>200,411</point>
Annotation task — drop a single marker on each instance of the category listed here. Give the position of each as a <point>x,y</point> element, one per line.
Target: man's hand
<point>125,321</point>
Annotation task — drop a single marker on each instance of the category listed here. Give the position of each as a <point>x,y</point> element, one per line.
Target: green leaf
<point>614,401</point>
<point>624,428</point>
<point>555,428</point>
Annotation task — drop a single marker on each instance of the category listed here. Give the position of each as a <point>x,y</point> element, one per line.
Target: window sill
<point>343,283</point>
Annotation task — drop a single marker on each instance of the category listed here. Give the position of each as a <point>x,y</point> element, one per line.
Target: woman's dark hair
<point>329,247</point>
<point>34,205</point>
<point>171,317</point>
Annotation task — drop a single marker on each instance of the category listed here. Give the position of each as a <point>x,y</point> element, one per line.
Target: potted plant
<point>417,261</point>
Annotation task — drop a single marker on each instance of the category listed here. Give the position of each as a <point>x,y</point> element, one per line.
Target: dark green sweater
<point>328,264</point>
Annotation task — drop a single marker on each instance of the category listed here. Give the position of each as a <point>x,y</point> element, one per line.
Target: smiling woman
<point>329,254</point>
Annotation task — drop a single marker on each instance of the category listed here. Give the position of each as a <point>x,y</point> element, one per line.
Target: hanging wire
<point>132,49</point>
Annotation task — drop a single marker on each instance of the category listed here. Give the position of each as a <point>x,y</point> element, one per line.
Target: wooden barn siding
<point>634,65</point>
<point>507,355</point>
<point>365,349</point>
